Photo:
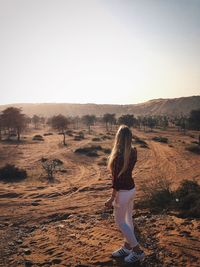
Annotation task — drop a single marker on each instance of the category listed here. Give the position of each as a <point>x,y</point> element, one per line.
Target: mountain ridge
<point>167,106</point>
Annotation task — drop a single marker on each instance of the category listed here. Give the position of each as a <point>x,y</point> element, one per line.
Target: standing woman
<point>121,163</point>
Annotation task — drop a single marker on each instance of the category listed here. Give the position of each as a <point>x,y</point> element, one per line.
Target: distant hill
<point>175,106</point>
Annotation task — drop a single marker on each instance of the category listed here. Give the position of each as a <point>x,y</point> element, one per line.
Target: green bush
<point>10,173</point>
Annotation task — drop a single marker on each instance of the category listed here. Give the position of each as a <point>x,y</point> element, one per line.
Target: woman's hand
<point>109,202</point>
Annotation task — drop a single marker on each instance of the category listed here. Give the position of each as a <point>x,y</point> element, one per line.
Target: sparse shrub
<point>88,151</point>
<point>77,138</point>
<point>92,154</point>
<point>96,139</point>
<point>12,134</point>
<point>160,139</point>
<point>81,135</point>
<point>38,137</point>
<point>104,137</point>
<point>158,195</point>
<point>46,134</point>
<point>185,200</point>
<point>69,132</point>
<point>51,166</point>
<point>58,161</point>
<point>193,148</point>
<point>83,150</point>
<point>107,150</point>
<point>103,162</point>
<point>188,198</point>
<point>96,147</point>
<point>191,135</point>
<point>138,140</point>
<point>144,146</point>
<point>11,173</point>
<point>43,159</point>
<point>195,142</point>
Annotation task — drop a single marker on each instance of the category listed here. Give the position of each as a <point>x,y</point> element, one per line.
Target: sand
<point>65,222</point>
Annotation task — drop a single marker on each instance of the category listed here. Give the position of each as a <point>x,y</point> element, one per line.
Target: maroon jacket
<point>125,180</point>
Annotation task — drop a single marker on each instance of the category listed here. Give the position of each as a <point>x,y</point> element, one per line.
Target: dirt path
<point>65,223</point>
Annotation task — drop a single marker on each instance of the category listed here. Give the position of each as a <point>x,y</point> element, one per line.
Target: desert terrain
<point>65,222</point>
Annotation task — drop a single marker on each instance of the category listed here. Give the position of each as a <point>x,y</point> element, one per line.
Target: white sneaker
<point>133,257</point>
<point>121,252</point>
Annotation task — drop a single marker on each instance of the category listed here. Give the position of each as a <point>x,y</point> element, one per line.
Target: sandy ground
<point>65,223</point>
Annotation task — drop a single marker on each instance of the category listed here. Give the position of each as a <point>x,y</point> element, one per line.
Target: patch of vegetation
<point>195,142</point>
<point>46,134</point>
<point>195,148</point>
<point>90,151</point>
<point>92,154</point>
<point>50,167</point>
<point>144,146</point>
<point>191,135</point>
<point>107,150</point>
<point>38,137</point>
<point>159,197</point>
<point>97,139</point>
<point>103,162</point>
<point>187,198</point>
<point>69,132</point>
<point>11,173</point>
<point>104,137</point>
<point>139,141</point>
<point>160,139</point>
<point>79,136</point>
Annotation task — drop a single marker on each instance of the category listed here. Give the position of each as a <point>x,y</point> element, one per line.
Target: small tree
<point>51,166</point>
<point>60,123</point>
<point>151,122</point>
<point>13,119</point>
<point>89,120</point>
<point>127,119</point>
<point>194,120</point>
<point>75,121</point>
<point>109,118</point>
<point>164,122</point>
<point>36,120</point>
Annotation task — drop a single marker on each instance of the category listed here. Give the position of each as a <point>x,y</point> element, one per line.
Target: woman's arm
<point>109,202</point>
<point>114,191</point>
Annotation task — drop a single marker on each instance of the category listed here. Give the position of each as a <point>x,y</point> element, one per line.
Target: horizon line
<point>92,103</point>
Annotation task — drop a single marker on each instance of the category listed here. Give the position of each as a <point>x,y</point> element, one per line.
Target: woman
<point>121,163</point>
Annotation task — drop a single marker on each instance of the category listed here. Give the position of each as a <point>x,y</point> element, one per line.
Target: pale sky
<point>98,51</point>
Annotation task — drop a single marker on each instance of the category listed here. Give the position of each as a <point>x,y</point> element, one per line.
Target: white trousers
<point>123,208</point>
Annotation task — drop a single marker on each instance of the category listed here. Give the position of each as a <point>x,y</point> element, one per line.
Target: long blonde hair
<point>122,143</point>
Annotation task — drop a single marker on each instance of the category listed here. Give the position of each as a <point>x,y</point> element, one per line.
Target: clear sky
<point>98,51</point>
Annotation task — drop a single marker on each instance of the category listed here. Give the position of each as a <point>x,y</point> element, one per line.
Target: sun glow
<point>96,51</point>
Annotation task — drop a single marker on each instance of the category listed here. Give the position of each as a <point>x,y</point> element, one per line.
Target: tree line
<point>13,121</point>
